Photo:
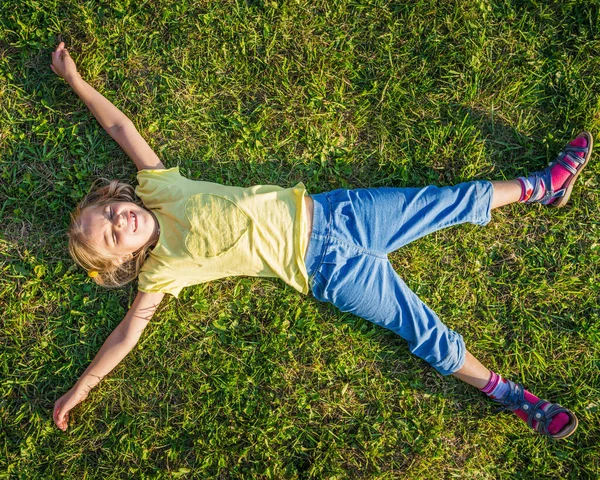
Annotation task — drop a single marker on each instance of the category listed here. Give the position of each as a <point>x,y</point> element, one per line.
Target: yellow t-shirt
<point>210,231</point>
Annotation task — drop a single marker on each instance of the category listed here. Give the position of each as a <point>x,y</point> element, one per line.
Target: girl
<point>185,232</point>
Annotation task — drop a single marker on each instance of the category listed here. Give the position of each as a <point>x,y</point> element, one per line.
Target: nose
<point>119,220</point>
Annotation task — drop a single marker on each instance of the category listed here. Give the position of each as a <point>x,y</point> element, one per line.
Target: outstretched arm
<point>113,120</point>
<point>118,344</point>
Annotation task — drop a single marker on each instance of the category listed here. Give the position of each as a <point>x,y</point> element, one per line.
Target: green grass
<point>245,378</point>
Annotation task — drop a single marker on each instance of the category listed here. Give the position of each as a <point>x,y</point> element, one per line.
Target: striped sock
<point>496,387</point>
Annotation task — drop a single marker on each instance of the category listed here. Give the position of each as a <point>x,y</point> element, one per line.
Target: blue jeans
<point>347,263</point>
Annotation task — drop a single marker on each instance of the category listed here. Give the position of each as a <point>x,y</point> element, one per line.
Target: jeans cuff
<point>485,194</point>
<point>455,358</point>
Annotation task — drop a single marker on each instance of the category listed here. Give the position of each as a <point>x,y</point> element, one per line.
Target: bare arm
<point>113,120</point>
<point>118,344</point>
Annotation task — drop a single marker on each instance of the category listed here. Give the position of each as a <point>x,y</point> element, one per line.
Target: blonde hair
<point>105,269</point>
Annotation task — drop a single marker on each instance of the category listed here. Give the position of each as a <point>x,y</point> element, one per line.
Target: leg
<point>416,212</point>
<point>561,173</point>
<point>505,193</point>
<point>345,272</point>
<point>381,220</point>
<point>473,372</point>
<point>369,287</point>
<point>385,219</point>
<point>554,420</point>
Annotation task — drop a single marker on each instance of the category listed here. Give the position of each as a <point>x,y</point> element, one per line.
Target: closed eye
<point>112,216</point>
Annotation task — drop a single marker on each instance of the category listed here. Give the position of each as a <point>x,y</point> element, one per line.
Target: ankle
<point>526,189</point>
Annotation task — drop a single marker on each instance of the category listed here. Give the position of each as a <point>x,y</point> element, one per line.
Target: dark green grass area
<point>245,378</point>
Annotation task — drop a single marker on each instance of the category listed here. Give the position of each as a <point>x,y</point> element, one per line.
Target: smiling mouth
<point>135,223</point>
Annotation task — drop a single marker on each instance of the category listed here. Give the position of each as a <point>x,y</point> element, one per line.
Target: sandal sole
<point>562,201</point>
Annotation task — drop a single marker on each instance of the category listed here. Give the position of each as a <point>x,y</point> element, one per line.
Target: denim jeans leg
<point>385,219</point>
<point>353,230</point>
<point>369,287</point>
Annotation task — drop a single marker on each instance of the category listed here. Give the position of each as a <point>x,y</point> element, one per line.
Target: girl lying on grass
<point>334,244</point>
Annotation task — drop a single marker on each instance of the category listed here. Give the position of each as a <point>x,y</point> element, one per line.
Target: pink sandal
<point>569,160</point>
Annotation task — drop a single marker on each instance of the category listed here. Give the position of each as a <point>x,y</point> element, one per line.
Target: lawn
<point>246,378</point>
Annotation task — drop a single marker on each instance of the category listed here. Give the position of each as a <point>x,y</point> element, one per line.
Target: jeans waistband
<point>320,233</point>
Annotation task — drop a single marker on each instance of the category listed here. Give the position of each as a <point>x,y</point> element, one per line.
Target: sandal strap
<point>539,415</point>
<point>570,152</point>
<point>573,148</point>
<point>572,170</point>
<point>544,416</point>
<point>543,180</point>
<point>571,155</point>
<point>514,399</point>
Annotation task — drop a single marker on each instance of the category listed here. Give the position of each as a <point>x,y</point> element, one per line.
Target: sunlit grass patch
<point>245,378</point>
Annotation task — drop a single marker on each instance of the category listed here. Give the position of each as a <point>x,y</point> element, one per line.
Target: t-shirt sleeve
<point>152,182</point>
<point>154,281</point>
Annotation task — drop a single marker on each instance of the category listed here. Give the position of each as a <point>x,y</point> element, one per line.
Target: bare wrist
<point>74,79</point>
<point>87,382</point>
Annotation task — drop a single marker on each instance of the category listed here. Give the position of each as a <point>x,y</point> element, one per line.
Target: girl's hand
<point>62,63</point>
<point>65,404</point>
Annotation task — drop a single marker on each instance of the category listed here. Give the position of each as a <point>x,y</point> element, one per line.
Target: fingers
<point>59,53</point>
<point>56,414</point>
<point>64,422</point>
<point>61,60</point>
<point>60,419</point>
<point>59,48</point>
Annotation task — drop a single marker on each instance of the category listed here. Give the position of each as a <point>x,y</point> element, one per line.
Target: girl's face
<point>119,229</point>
